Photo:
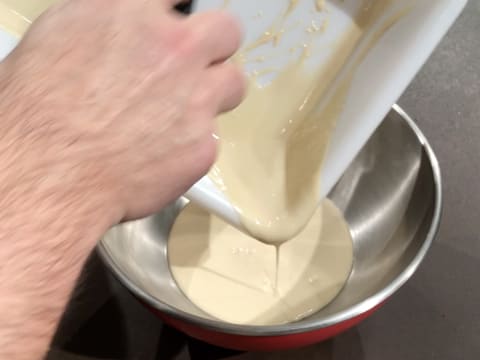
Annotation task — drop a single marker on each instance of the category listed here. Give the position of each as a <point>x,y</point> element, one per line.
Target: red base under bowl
<point>261,343</point>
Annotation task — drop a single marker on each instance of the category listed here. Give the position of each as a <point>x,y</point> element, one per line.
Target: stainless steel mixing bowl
<point>391,198</point>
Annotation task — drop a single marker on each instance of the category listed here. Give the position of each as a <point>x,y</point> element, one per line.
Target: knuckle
<point>233,87</point>
<point>202,101</point>
<point>238,80</point>
<point>206,153</point>
<point>229,25</point>
<point>200,143</point>
<point>221,22</point>
<point>184,41</point>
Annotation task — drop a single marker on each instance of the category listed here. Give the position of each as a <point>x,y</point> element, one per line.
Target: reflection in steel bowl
<point>391,198</point>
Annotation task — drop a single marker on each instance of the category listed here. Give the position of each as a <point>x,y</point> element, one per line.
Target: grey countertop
<point>436,315</point>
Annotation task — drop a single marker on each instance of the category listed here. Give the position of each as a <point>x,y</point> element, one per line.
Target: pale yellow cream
<point>233,277</point>
<point>272,147</point>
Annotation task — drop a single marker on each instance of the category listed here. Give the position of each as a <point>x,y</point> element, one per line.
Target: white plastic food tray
<point>394,49</point>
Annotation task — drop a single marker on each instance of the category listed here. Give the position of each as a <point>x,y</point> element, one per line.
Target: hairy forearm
<point>82,147</point>
<point>51,218</point>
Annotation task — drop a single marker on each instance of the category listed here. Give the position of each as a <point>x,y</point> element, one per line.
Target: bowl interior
<point>390,196</point>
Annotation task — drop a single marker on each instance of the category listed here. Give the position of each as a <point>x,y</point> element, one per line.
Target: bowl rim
<point>306,326</point>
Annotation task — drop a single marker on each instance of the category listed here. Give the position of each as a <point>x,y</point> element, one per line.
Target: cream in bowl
<point>238,279</point>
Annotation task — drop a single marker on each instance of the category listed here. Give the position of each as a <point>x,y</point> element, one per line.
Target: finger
<point>219,35</point>
<point>227,85</point>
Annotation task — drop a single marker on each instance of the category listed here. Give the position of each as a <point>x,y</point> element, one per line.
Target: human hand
<point>119,98</point>
<point>107,112</point>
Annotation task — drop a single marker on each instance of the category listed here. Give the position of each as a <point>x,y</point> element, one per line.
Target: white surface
<point>379,80</point>
<point>7,43</point>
